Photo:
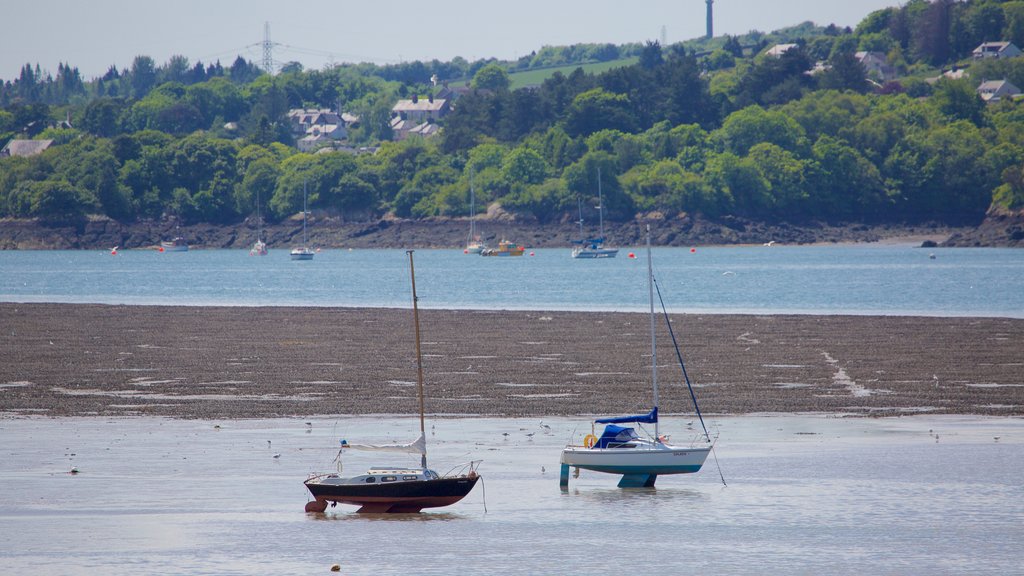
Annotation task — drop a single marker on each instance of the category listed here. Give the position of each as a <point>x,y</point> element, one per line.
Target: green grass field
<point>536,77</point>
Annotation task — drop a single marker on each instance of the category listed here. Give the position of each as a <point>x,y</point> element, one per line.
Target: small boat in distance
<point>621,450</point>
<point>178,244</point>
<point>395,488</point>
<point>594,247</point>
<point>473,243</point>
<point>505,248</point>
<point>303,252</point>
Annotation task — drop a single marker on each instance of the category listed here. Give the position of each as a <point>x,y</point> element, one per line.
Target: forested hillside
<point>714,127</point>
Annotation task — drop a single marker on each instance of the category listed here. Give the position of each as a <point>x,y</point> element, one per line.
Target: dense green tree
<point>491,77</point>
<point>599,110</point>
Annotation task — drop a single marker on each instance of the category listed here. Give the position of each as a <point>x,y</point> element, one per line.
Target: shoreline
<point>222,362</point>
<point>327,231</point>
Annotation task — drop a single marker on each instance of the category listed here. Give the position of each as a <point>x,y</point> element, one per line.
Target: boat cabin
<point>385,476</point>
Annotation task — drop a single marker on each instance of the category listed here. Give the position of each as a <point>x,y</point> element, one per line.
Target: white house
<point>876,65</point>
<point>779,50</point>
<point>996,90</point>
<point>421,110</point>
<point>996,50</point>
<point>318,128</point>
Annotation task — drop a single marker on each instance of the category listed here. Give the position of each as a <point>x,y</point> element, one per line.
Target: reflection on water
<point>172,496</point>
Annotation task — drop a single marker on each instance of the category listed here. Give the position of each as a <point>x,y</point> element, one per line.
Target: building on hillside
<point>996,90</point>
<point>421,110</point>
<point>779,49</point>
<point>402,128</point>
<point>25,148</point>
<point>314,129</point>
<point>995,50</point>
<point>876,65</point>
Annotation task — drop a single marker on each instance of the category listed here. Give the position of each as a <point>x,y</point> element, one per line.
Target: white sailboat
<point>473,243</point>
<point>303,252</point>
<point>640,459</point>
<point>395,488</point>
<point>594,247</point>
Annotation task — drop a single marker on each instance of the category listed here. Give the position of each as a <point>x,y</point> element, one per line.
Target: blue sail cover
<point>614,436</point>
<point>649,418</point>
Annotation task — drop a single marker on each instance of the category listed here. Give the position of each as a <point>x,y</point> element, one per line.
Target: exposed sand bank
<point>230,362</point>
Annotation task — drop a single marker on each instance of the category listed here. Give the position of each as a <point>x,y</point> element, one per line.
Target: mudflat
<point>261,362</point>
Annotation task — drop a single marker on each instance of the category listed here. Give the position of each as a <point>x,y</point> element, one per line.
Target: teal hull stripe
<point>642,469</point>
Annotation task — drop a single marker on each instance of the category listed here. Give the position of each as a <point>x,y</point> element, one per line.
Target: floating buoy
<point>632,255</point>
<point>74,471</point>
<point>531,253</point>
<point>161,249</point>
<point>692,250</point>
<point>336,568</point>
<point>465,251</point>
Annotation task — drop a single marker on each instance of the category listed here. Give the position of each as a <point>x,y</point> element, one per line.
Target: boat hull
<point>627,461</point>
<point>300,254</point>
<point>411,496</point>
<point>173,247</point>
<point>595,253</point>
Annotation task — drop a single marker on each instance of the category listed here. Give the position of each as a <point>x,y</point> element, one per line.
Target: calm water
<point>805,495</point>
<point>863,279</point>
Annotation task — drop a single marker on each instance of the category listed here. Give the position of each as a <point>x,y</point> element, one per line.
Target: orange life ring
<point>589,440</point>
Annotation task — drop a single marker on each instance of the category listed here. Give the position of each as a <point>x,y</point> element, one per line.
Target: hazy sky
<point>94,34</point>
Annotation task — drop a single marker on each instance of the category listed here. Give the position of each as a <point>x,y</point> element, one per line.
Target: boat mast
<point>654,348</point>
<point>472,207</point>
<point>419,357</point>
<point>600,205</point>
<point>303,212</point>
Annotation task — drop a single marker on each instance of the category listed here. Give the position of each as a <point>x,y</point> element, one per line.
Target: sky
<point>92,35</point>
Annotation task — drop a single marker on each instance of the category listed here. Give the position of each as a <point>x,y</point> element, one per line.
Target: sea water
<point>855,279</point>
<point>801,495</point>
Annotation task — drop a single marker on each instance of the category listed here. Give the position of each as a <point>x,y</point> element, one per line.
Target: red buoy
<point>692,250</point>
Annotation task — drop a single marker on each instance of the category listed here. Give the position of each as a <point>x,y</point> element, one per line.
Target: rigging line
<point>720,475</point>
<point>682,364</point>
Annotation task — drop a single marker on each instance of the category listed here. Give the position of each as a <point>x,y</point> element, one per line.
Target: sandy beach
<point>236,362</point>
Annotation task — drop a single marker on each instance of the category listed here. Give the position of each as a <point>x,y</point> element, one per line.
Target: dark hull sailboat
<point>395,489</point>
<point>396,495</point>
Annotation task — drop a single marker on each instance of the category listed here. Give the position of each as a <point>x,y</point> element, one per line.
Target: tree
<point>491,77</point>
<point>102,117</point>
<point>746,128</point>
<point>958,100</point>
<point>58,200</point>
<point>142,76</point>
<point>650,56</point>
<point>524,166</point>
<point>845,72</point>
<point>599,110</point>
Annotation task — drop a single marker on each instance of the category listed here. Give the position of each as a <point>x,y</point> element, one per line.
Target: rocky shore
<point>211,362</point>
<point>327,231</point>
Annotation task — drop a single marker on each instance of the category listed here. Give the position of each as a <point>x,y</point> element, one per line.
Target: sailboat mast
<point>304,212</point>
<point>600,205</point>
<point>419,356</point>
<point>654,347</point>
<point>472,206</point>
